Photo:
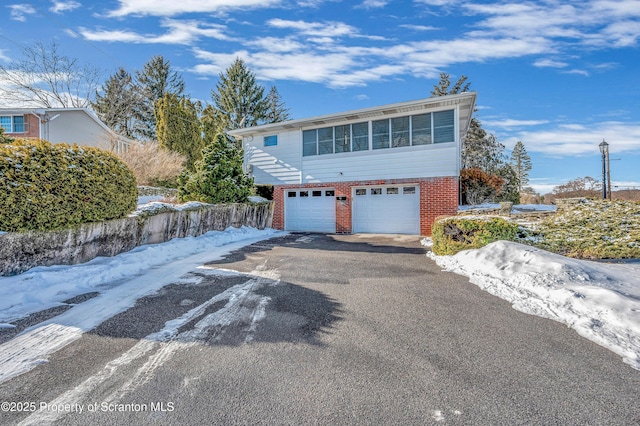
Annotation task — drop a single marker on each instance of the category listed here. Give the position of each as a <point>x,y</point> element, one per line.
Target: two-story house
<point>387,169</point>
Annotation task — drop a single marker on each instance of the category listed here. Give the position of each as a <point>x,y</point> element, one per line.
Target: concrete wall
<point>22,251</point>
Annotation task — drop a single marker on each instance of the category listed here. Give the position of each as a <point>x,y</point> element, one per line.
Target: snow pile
<point>600,301</point>
<point>157,207</point>
<point>44,287</point>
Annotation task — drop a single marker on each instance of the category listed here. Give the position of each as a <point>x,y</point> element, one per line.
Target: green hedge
<point>453,234</point>
<point>45,186</point>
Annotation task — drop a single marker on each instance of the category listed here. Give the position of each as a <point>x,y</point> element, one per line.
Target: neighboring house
<point>388,169</point>
<point>56,125</point>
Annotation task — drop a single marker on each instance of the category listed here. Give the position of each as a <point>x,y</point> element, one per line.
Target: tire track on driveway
<point>161,346</point>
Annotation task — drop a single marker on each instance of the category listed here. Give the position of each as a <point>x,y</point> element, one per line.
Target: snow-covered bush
<point>45,186</point>
<point>453,234</point>
<point>596,229</point>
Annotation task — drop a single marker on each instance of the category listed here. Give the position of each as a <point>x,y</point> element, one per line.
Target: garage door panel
<point>310,210</point>
<point>387,209</point>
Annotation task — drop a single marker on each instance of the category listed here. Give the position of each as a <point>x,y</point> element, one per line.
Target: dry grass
<point>152,165</point>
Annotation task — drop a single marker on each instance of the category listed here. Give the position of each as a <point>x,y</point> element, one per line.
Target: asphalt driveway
<point>328,329</point>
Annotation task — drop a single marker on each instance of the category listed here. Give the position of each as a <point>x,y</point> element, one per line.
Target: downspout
<point>40,121</point>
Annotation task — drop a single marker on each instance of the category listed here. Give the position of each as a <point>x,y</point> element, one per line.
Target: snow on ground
<point>144,199</point>
<point>121,280</point>
<point>601,301</point>
<point>47,286</point>
<point>516,208</point>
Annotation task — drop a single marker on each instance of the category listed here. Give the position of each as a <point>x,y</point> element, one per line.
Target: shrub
<point>453,234</point>
<point>264,191</point>
<point>592,229</point>
<point>218,176</point>
<point>45,186</point>
<point>153,165</point>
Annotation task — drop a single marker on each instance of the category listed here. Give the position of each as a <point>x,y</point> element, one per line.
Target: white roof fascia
<point>363,114</point>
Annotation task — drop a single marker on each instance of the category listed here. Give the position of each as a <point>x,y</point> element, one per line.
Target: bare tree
<point>46,78</point>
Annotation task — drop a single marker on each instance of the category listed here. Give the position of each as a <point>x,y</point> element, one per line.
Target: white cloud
<point>510,123</point>
<point>549,63</point>
<point>577,72</point>
<point>173,7</point>
<point>19,11</point>
<point>64,6</point>
<point>317,29</point>
<point>274,44</point>
<point>419,27</point>
<point>3,57</point>
<point>602,23</point>
<point>373,4</point>
<point>179,32</point>
<point>581,139</point>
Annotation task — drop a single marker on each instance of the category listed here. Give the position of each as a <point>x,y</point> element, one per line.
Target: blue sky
<point>560,76</point>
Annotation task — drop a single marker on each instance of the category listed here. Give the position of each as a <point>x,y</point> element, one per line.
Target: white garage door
<point>310,210</point>
<point>393,209</point>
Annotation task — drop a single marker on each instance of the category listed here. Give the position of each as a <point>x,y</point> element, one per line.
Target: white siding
<point>77,127</point>
<point>278,164</point>
<point>391,163</point>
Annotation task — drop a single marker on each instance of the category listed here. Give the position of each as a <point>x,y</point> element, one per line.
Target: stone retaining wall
<point>20,251</point>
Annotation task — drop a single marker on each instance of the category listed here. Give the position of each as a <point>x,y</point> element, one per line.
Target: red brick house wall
<point>32,124</point>
<point>438,197</point>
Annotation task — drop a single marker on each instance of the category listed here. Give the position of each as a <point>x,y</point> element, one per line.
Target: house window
<point>400,132</point>
<point>392,191</point>
<point>12,124</point>
<point>310,142</point>
<point>360,136</point>
<point>291,194</point>
<point>325,140</point>
<point>361,191</point>
<point>376,191</point>
<point>271,140</point>
<point>343,138</point>
<point>329,193</point>
<point>443,126</point>
<point>380,133</point>
<point>421,129</point>
<point>409,190</point>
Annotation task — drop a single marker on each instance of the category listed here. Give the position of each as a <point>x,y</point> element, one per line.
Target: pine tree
<point>483,158</point>
<point>444,86</point>
<point>521,164</point>
<point>218,176</point>
<point>276,109</point>
<point>154,81</point>
<point>116,102</point>
<point>178,127</point>
<point>238,98</point>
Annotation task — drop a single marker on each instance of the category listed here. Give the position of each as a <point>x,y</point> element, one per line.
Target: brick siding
<point>438,197</point>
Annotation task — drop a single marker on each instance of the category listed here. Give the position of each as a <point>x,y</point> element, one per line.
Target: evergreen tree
<point>3,138</point>
<point>238,98</point>
<point>276,109</point>
<point>116,102</point>
<point>521,164</point>
<point>218,176</point>
<point>154,81</point>
<point>178,127</point>
<point>444,85</point>
<point>483,158</point>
